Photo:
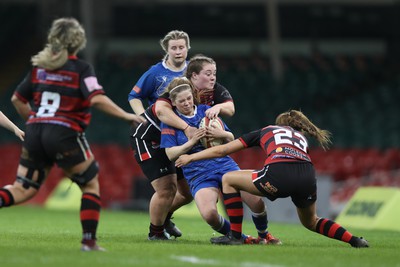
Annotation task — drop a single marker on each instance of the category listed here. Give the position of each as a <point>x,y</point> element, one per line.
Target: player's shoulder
<point>77,64</point>
<point>154,69</point>
<point>201,109</point>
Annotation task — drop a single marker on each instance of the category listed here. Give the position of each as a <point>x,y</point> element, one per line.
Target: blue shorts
<point>213,180</point>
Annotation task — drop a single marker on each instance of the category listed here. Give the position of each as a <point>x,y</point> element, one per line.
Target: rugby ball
<point>217,122</point>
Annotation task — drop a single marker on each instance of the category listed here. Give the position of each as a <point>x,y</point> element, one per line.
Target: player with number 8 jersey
<point>61,96</point>
<point>55,100</point>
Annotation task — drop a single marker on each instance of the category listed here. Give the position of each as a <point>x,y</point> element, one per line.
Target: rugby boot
<point>360,243</point>
<point>268,240</point>
<point>227,239</point>
<point>159,237</point>
<point>91,245</point>
<point>172,230</point>
<point>249,240</point>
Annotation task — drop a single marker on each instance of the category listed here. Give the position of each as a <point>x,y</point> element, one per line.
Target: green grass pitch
<point>34,236</point>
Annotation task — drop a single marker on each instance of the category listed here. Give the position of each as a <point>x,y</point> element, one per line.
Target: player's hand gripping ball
<point>217,123</point>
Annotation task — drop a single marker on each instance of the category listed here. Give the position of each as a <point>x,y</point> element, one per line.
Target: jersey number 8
<point>49,104</point>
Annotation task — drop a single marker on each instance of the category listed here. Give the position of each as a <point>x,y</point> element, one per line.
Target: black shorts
<point>46,144</point>
<point>288,179</point>
<point>153,160</point>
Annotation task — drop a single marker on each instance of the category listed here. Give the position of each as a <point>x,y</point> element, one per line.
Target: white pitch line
<point>196,260</point>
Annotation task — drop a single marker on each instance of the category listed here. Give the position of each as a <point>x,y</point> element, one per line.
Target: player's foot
<point>268,240</point>
<point>95,247</point>
<point>249,240</point>
<point>360,243</point>
<point>159,237</point>
<point>172,230</point>
<point>227,240</point>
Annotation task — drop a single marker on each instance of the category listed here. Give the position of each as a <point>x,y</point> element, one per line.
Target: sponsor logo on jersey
<point>58,78</point>
<point>42,75</point>
<point>269,188</point>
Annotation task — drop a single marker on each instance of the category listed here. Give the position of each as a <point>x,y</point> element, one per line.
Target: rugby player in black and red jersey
<point>55,100</point>
<point>288,172</point>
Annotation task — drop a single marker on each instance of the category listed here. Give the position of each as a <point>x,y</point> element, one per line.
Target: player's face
<point>184,102</point>
<point>205,79</point>
<point>177,52</point>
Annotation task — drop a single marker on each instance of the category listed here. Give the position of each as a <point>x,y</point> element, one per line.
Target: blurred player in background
<point>288,172</point>
<point>145,139</point>
<point>205,177</point>
<point>55,100</point>
<point>6,123</point>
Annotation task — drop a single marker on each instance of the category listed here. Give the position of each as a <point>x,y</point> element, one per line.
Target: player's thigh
<point>240,180</point>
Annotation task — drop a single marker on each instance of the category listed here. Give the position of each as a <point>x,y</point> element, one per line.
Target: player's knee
<point>33,178</point>
<point>310,224</point>
<point>187,198</point>
<point>167,193</point>
<point>86,176</point>
<point>211,217</point>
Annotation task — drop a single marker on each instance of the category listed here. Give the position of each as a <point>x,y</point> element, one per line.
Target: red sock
<point>6,198</point>
<point>333,230</point>
<point>234,208</point>
<point>90,215</point>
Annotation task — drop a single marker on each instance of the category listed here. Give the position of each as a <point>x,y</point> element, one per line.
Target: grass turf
<point>34,236</point>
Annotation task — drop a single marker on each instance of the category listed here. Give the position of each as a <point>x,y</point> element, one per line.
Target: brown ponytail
<point>298,121</point>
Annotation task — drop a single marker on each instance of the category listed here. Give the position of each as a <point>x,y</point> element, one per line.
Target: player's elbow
<point>14,100</point>
<point>229,110</point>
<point>161,108</point>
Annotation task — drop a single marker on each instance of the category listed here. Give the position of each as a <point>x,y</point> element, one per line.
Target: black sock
<point>156,229</point>
<point>168,218</point>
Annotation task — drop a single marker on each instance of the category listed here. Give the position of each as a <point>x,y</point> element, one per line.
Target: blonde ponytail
<point>66,37</point>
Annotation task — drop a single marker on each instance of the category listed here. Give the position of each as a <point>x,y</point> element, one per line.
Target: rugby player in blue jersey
<point>150,86</point>
<point>205,177</point>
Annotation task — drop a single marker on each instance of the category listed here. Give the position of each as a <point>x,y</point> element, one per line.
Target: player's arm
<point>174,152</point>
<point>106,105</point>
<point>213,152</point>
<point>228,136</point>
<point>6,123</point>
<point>22,108</point>
<point>226,109</point>
<point>136,105</point>
<point>165,114</point>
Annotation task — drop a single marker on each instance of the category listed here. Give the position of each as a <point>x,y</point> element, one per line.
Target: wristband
<point>187,126</point>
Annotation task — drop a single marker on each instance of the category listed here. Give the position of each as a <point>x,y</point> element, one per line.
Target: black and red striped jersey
<point>60,96</point>
<point>280,143</point>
